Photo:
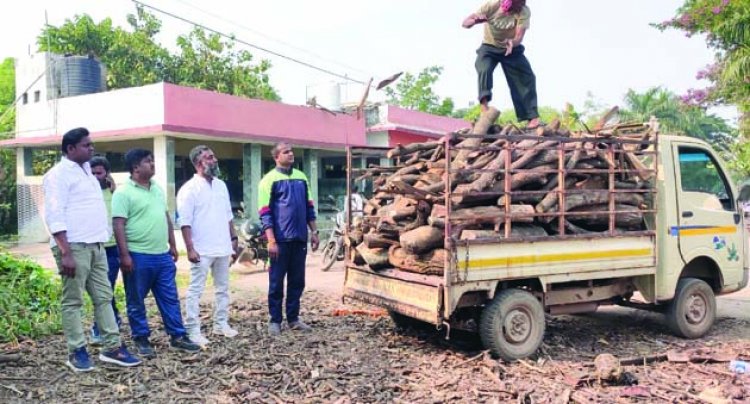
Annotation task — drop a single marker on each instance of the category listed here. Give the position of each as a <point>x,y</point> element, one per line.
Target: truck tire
<point>692,312</point>
<point>512,325</point>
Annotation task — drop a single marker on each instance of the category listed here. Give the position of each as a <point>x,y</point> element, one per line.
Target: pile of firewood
<point>559,183</point>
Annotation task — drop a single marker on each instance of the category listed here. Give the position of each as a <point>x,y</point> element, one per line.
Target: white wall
<point>129,108</point>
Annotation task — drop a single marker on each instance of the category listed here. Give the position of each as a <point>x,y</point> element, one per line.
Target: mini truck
<point>691,248</point>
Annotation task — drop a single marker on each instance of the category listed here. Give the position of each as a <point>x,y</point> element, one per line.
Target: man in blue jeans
<point>286,211</point>
<point>101,169</point>
<point>145,240</point>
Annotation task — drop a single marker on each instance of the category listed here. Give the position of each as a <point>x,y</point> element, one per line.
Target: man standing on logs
<point>286,211</point>
<point>76,216</point>
<point>506,22</point>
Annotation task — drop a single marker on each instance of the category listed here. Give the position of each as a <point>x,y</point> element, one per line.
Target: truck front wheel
<point>693,310</point>
<point>512,325</point>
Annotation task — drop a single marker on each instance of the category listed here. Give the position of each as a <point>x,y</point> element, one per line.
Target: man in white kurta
<point>205,217</point>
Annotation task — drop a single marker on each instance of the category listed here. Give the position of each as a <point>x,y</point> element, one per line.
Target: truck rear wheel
<point>692,312</point>
<point>512,325</point>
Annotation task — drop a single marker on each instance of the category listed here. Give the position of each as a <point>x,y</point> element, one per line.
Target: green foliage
<point>415,92</point>
<point>134,58</point>
<point>676,117</point>
<point>29,299</point>
<point>740,164</point>
<point>207,62</point>
<point>726,25</point>
<point>8,200</point>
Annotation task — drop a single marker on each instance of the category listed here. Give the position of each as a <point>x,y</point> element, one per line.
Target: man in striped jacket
<point>286,211</point>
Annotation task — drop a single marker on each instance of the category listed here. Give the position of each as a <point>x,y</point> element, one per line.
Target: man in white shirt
<point>205,217</point>
<point>357,201</point>
<point>76,217</point>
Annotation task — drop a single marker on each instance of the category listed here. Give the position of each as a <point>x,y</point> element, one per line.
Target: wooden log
<point>429,263</point>
<point>574,201</point>
<point>470,234</point>
<point>632,219</point>
<point>373,240</point>
<point>492,215</point>
<point>421,239</point>
<point>401,150</point>
<point>480,128</point>
<point>641,169</point>
<point>376,258</point>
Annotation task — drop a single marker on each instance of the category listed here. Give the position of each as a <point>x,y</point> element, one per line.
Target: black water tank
<point>78,75</point>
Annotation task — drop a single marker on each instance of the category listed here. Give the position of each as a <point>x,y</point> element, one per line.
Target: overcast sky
<point>601,47</point>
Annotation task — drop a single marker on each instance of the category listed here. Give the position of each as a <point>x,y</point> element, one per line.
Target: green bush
<point>29,299</point>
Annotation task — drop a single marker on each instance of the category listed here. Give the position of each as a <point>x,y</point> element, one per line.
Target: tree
<point>415,92</point>
<point>134,58</point>
<point>209,63</point>
<point>8,200</point>
<point>726,24</point>
<point>677,117</point>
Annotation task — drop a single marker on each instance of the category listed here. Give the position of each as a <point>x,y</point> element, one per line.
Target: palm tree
<point>678,118</point>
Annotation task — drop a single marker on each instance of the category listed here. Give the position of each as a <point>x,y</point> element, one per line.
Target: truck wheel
<point>512,325</point>
<point>693,310</point>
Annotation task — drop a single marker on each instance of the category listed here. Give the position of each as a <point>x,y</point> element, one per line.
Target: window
<point>25,98</point>
<point>700,173</point>
<point>37,95</point>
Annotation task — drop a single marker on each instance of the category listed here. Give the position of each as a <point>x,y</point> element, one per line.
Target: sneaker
<point>225,330</point>
<point>274,329</point>
<point>184,343</point>
<point>79,360</point>
<point>143,347</point>
<point>299,326</point>
<point>120,356</point>
<point>96,338</point>
<point>198,339</point>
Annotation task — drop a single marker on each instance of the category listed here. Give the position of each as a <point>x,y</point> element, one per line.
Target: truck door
<point>709,220</point>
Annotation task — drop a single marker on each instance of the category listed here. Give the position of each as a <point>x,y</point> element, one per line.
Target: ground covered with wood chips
<point>358,356</point>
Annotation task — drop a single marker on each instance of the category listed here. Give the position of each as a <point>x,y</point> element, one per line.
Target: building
<point>170,120</point>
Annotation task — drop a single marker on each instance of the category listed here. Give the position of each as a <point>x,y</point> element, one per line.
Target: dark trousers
<point>153,273</point>
<point>521,79</point>
<point>113,262</point>
<point>289,264</point>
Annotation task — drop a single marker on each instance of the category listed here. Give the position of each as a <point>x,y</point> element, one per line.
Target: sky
<point>579,49</point>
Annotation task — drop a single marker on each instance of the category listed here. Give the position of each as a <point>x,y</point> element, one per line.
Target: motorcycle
<point>253,242</point>
<point>333,250</point>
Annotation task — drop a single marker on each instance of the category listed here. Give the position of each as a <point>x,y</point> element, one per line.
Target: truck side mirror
<point>744,195</point>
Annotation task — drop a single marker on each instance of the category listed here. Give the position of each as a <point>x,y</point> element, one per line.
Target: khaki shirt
<point>500,27</point>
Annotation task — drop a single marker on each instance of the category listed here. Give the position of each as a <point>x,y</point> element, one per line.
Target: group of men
<point>99,230</point>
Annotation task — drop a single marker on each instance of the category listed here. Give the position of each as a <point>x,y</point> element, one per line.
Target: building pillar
<point>251,175</point>
<point>312,171</point>
<point>24,165</point>
<point>164,167</point>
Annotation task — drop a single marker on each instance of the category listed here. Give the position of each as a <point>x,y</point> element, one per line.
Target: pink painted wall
<point>424,121</point>
<point>396,137</point>
<point>206,112</point>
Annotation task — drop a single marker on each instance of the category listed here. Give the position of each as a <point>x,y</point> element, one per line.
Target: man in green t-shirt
<point>505,24</point>
<point>101,169</point>
<point>148,253</point>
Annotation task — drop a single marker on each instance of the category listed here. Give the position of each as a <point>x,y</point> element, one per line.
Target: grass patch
<point>29,299</point>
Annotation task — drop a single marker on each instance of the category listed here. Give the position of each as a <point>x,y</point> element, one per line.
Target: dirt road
<point>362,358</point>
